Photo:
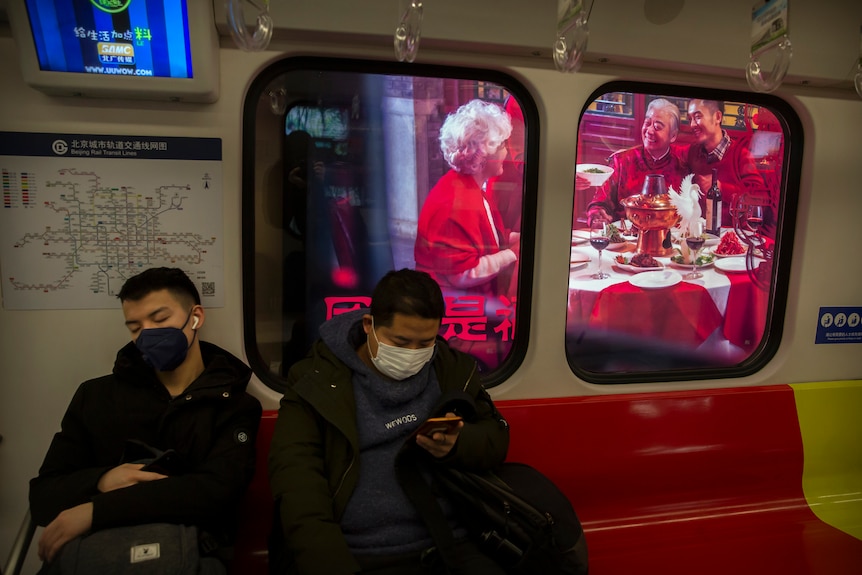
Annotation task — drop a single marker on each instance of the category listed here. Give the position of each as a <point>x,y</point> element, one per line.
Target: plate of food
<point>620,247</point>
<point>711,239</point>
<point>580,237</point>
<point>578,261</point>
<point>731,265</point>
<point>729,246</point>
<point>596,174</point>
<point>656,280</point>
<point>638,263</point>
<point>723,255</point>
<point>618,240</point>
<point>704,260</point>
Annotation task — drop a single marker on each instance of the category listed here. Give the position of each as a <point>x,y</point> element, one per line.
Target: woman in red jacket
<point>461,240</point>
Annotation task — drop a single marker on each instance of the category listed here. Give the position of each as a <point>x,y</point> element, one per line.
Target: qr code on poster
<point>207,288</point>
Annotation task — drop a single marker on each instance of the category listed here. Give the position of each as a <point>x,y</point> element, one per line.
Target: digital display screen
<point>112,37</point>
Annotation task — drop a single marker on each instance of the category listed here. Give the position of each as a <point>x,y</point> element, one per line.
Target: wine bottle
<point>713,206</point>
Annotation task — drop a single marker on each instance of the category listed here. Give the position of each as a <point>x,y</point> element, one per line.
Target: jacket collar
<point>222,371</point>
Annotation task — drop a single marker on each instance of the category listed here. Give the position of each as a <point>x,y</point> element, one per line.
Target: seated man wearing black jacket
<point>350,409</point>
<point>171,392</point>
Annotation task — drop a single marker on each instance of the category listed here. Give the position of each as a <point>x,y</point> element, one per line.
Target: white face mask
<point>398,362</point>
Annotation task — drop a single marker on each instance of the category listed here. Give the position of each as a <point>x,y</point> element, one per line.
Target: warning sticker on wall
<point>839,325</point>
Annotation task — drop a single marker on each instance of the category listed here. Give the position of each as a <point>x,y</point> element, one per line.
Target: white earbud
<point>194,323</point>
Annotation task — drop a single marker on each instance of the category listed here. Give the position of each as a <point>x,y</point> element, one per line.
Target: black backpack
<point>151,549</point>
<point>514,513</point>
<point>518,517</point>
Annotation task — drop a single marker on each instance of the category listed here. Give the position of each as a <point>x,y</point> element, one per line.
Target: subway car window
<point>682,232</point>
<point>352,169</point>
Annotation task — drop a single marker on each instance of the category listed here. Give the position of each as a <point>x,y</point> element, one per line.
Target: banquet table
<point>723,305</point>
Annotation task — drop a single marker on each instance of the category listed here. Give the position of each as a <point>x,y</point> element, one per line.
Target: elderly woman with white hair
<point>461,240</point>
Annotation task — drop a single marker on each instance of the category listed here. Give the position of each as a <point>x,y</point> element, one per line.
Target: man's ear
<point>198,317</point>
<point>366,323</point>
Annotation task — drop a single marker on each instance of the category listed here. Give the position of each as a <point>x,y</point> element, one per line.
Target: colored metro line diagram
<point>72,235</point>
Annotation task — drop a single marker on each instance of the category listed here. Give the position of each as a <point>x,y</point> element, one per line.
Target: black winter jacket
<point>314,455</point>
<point>212,426</point>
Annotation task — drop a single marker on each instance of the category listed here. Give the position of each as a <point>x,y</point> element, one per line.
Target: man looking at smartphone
<point>349,408</point>
<point>171,392</point>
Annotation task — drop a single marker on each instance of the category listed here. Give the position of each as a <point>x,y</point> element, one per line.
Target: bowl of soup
<point>596,174</point>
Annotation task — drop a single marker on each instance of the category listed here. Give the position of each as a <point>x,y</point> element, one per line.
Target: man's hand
<point>125,475</point>
<point>704,183</point>
<point>69,524</point>
<point>597,213</point>
<point>440,444</point>
<point>581,183</point>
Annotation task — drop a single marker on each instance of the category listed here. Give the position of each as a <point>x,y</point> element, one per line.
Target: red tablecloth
<point>745,317</point>
<point>684,313</point>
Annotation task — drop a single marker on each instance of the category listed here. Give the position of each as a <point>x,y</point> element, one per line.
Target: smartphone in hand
<point>168,463</point>
<point>438,425</point>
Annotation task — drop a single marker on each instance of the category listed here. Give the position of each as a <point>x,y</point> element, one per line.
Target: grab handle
<point>761,80</point>
<point>246,40</point>
<point>770,41</point>
<point>408,32</point>
<point>573,31</point>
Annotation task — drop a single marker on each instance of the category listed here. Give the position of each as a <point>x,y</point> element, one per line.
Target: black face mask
<point>164,348</point>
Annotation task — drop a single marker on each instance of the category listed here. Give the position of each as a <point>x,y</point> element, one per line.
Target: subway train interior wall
<point>287,174</point>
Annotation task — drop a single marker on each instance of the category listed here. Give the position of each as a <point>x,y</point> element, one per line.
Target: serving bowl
<point>595,178</point>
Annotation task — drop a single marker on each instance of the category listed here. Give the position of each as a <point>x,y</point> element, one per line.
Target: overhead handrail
<point>249,41</point>
<point>573,31</point>
<point>409,31</point>
<point>770,41</point>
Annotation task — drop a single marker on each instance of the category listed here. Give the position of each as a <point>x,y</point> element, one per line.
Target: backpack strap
<point>408,470</point>
<point>409,464</point>
<point>459,402</point>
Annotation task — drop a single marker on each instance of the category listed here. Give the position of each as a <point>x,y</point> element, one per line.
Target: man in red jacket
<point>656,155</point>
<point>737,172</point>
